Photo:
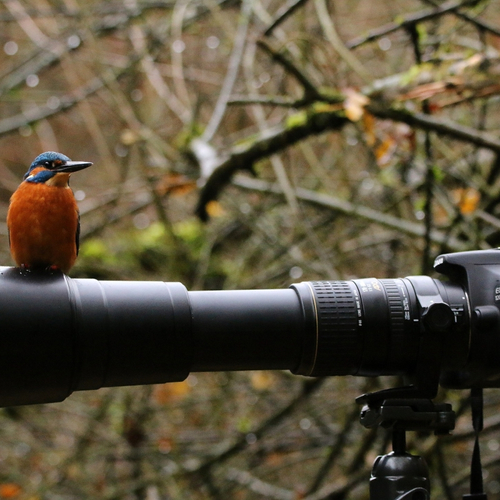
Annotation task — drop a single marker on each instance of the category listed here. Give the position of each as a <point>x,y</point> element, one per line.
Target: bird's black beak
<point>72,166</point>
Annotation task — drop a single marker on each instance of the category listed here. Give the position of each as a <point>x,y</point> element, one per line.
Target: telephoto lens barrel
<point>61,335</point>
<point>372,327</point>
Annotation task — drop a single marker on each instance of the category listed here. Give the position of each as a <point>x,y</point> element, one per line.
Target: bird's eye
<point>48,164</point>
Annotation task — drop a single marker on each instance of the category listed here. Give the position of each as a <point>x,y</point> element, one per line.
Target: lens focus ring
<point>339,343</point>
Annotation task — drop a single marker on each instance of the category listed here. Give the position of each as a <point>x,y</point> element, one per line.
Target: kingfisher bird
<point>43,218</point>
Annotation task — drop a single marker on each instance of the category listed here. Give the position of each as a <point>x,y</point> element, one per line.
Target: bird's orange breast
<point>43,222</point>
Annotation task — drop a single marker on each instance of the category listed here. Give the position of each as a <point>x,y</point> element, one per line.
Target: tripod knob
<point>439,317</point>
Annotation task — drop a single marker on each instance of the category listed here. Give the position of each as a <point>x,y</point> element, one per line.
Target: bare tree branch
<point>310,122</point>
<point>409,20</point>
<point>271,141</point>
<point>438,125</point>
<point>348,208</point>
<point>232,72</point>
<point>285,11</point>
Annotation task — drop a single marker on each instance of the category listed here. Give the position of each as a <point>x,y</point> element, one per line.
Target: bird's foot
<point>24,269</point>
<point>53,268</point>
<point>49,269</point>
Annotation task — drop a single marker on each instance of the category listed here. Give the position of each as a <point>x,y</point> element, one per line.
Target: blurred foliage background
<point>250,144</point>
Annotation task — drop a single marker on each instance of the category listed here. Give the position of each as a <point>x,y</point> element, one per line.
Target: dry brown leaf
<point>467,199</point>
<point>166,393</point>
<point>354,104</point>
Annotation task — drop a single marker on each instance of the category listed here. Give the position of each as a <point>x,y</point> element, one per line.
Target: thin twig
<point>179,82</point>
<point>407,20</point>
<point>479,23</point>
<point>429,176</point>
<point>310,122</point>
<point>336,42</point>
<point>328,201</point>
<point>271,141</point>
<point>29,26</point>
<point>138,40</point>
<point>283,13</point>
<point>256,485</point>
<point>311,93</point>
<point>308,388</point>
<point>107,21</point>
<point>265,100</point>
<point>258,112</point>
<point>439,125</point>
<point>335,451</point>
<point>232,72</point>
<point>33,115</point>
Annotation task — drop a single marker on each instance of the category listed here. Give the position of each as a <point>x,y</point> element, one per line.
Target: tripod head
<point>400,475</point>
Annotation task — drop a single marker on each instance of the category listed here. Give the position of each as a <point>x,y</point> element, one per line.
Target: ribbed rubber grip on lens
<point>339,341</point>
<point>396,306</point>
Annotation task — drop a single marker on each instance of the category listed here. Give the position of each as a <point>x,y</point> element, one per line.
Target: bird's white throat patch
<point>59,180</point>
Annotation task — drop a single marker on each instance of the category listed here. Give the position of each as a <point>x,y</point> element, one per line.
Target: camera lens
<point>373,327</point>
<point>365,327</point>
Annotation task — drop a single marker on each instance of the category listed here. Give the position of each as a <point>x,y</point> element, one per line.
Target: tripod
<point>400,475</point>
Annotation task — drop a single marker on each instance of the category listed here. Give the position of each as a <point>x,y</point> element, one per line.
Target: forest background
<point>250,144</point>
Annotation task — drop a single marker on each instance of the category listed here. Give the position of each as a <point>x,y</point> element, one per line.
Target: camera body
<point>478,273</point>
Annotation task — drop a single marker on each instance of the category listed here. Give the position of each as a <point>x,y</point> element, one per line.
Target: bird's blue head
<point>47,165</point>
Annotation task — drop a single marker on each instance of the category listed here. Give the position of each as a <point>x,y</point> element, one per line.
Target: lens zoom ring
<point>395,302</point>
<point>339,342</point>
